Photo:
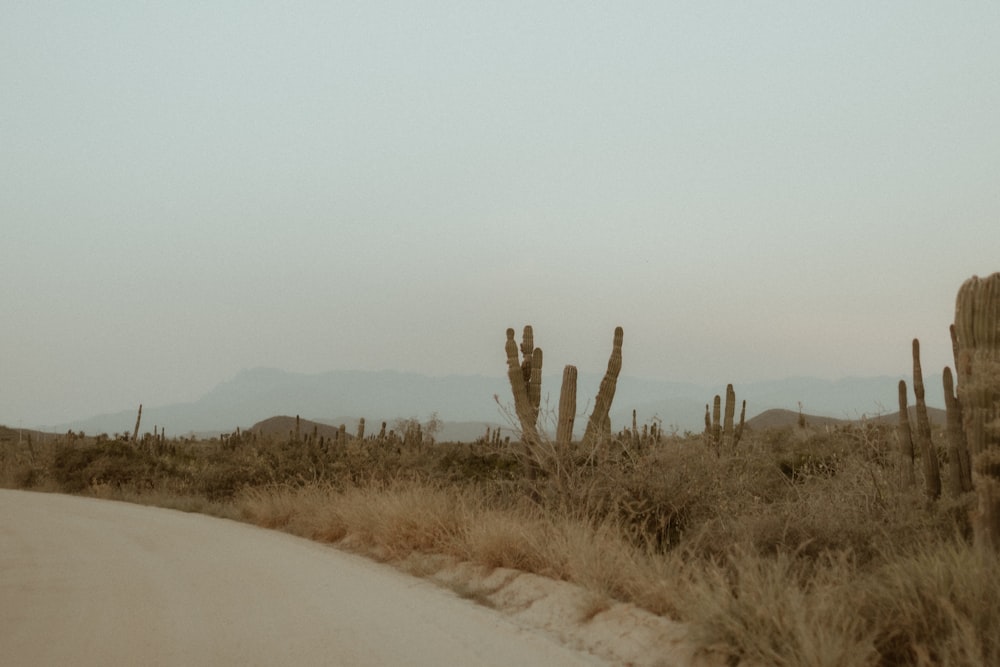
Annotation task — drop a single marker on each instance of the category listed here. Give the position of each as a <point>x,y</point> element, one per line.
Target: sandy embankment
<point>92,582</point>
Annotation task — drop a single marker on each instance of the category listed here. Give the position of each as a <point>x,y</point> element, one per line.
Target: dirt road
<point>93,582</point>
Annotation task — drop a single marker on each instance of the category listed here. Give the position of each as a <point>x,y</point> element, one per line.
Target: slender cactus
<point>567,406</point>
<point>928,453</point>
<point>909,477</point>
<point>361,429</point>
<point>727,424</point>
<point>716,420</point>
<point>535,383</point>
<point>977,336</point>
<point>138,418</point>
<point>599,424</point>
<point>959,472</point>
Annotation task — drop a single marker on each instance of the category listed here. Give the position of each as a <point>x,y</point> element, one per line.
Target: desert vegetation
<point>785,546</point>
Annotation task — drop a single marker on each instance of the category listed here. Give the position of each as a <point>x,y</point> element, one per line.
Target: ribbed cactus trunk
<point>519,375</point>
<point>717,420</point>
<point>959,471</point>
<point>965,457</point>
<point>928,453</point>
<point>138,419</point>
<point>730,414</point>
<point>906,452</point>
<point>567,407</point>
<point>599,424</point>
<point>977,332</point>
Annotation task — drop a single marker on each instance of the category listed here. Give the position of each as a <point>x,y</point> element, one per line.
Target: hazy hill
<point>779,418</point>
<point>283,425</point>
<point>253,395</point>
<point>21,435</point>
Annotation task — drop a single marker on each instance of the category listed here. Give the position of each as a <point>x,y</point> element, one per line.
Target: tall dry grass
<point>391,521</point>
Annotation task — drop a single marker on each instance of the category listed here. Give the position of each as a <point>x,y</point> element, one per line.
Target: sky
<point>753,190</point>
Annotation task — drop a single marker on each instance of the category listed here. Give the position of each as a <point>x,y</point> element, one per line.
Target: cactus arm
<point>599,418</point>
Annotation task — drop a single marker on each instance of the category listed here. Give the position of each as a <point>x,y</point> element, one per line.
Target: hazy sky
<point>753,190</point>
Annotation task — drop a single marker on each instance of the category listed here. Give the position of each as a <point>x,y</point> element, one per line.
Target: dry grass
<point>796,550</point>
<point>777,610</point>
<point>394,520</point>
<point>938,606</point>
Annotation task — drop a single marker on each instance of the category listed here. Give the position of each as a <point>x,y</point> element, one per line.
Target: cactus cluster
<point>493,437</point>
<point>525,375</point>
<point>648,435</point>
<point>719,427</point>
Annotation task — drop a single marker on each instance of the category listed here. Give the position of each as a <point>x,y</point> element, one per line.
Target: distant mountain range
<point>344,396</point>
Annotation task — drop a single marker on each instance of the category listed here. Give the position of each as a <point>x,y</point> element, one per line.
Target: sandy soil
<point>94,582</point>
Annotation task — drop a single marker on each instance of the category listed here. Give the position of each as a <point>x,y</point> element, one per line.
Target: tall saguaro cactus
<point>977,340</point>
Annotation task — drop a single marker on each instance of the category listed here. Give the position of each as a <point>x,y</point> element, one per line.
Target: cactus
<point>977,336</point>
<point>959,472</point>
<point>717,420</point>
<point>519,375</point>
<point>361,429</point>
<point>960,443</point>
<point>599,424</point>
<point>720,429</point>
<point>567,406</point>
<point>138,418</point>
<point>909,477</point>
<point>526,386</point>
<point>928,453</point>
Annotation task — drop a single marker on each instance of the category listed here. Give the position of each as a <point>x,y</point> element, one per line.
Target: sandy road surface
<point>92,582</point>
